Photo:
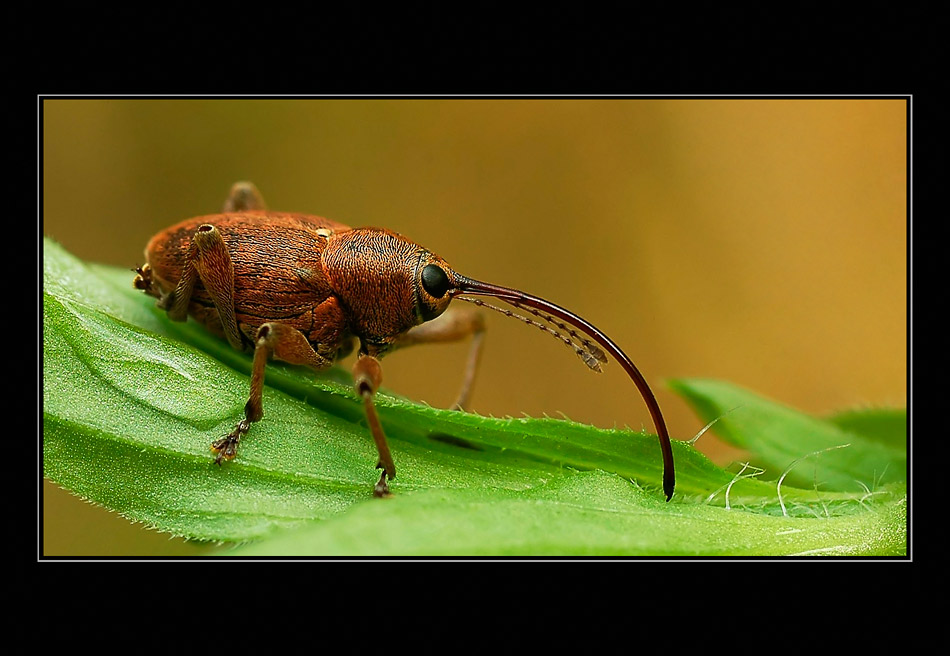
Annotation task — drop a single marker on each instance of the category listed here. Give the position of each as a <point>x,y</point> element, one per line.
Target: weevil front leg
<point>367,376</point>
<point>456,324</point>
<point>452,326</point>
<point>283,343</point>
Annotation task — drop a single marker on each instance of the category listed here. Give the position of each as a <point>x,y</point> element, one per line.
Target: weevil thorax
<point>386,283</point>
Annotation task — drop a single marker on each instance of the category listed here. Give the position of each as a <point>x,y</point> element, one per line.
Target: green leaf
<point>586,514</point>
<point>836,454</point>
<point>132,401</point>
<point>887,426</point>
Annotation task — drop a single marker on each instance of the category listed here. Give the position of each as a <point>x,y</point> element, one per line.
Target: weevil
<point>307,290</point>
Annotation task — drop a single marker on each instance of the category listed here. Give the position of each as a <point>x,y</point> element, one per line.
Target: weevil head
<point>386,283</point>
<point>435,283</point>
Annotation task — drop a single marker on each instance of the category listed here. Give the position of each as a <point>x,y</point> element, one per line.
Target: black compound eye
<point>435,281</point>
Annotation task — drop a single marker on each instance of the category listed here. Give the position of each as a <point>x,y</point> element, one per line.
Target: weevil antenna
<point>554,313</point>
<point>591,348</point>
<point>590,354</point>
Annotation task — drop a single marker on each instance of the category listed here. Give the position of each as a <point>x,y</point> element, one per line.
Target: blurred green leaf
<point>855,451</point>
<point>887,426</point>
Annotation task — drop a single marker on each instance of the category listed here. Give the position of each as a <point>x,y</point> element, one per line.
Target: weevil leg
<point>367,376</point>
<point>213,265</point>
<point>454,325</point>
<point>209,261</point>
<point>283,343</point>
<point>175,303</point>
<point>145,282</point>
<point>244,196</point>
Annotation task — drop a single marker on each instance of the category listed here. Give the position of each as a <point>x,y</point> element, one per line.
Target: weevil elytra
<point>307,290</point>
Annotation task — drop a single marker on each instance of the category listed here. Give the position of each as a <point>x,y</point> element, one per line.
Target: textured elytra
<point>278,272</point>
<point>323,278</point>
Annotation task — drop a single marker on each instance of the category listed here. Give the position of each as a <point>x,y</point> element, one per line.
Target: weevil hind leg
<point>282,342</point>
<point>244,196</point>
<point>456,324</point>
<point>207,260</point>
<point>367,377</point>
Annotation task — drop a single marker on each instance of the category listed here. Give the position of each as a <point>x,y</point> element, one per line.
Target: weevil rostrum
<point>307,290</point>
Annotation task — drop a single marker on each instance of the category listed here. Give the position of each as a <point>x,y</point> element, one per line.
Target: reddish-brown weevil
<point>304,289</point>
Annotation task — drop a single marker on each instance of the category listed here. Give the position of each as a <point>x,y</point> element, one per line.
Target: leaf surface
<point>132,401</point>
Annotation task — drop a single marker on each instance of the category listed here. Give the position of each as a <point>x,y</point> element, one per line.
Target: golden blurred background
<point>760,241</point>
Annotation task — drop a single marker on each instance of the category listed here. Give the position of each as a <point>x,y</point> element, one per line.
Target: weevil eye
<point>434,281</point>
